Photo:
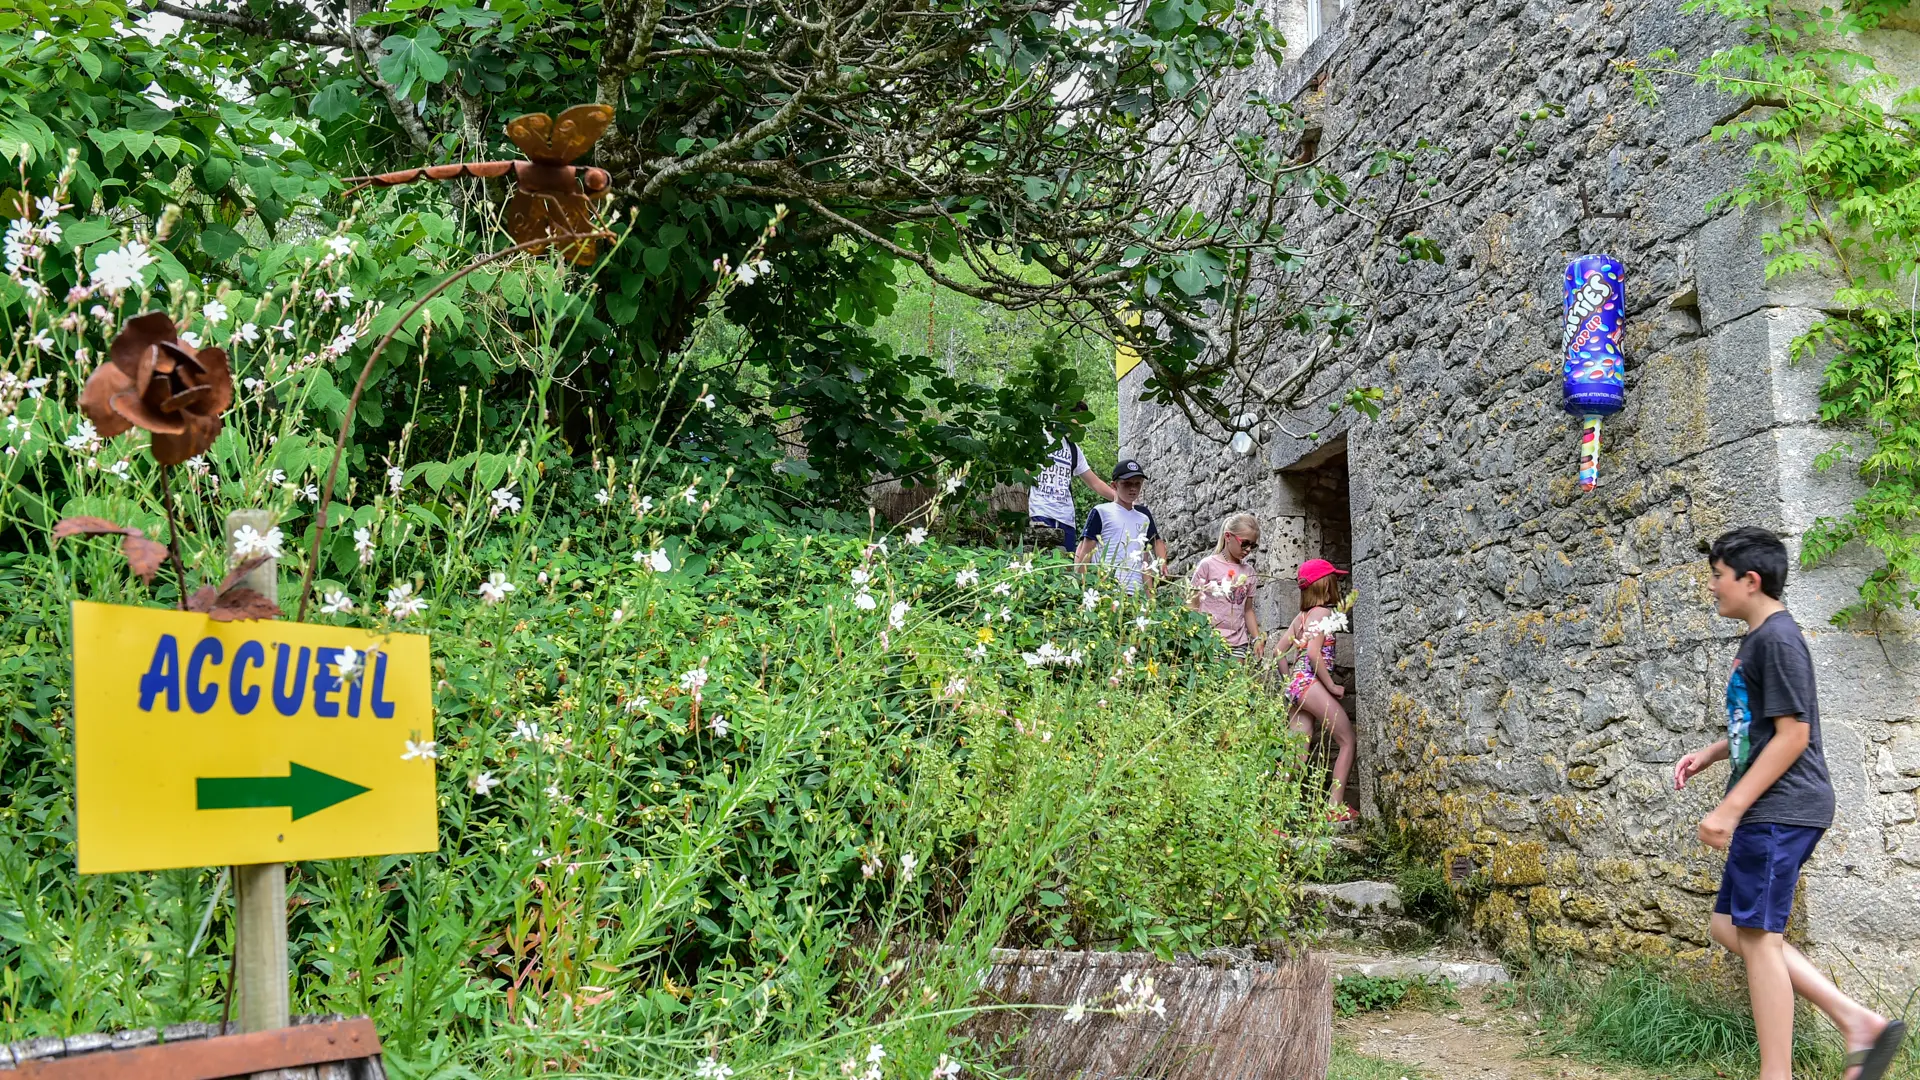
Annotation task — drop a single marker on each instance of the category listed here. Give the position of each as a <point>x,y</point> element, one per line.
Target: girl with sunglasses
<point>1224,583</point>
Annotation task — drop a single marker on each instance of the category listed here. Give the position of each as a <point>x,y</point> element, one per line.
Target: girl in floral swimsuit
<point>1315,696</point>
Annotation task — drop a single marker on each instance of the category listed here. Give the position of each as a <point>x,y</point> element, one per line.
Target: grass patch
<point>1354,994</point>
<point>1667,1021</point>
<point>1351,1064</point>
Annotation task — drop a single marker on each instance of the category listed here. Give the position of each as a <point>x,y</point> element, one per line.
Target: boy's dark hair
<point>1751,549</point>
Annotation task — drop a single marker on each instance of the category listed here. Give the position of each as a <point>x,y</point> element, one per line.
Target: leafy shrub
<point>707,783</point>
<point>1354,994</point>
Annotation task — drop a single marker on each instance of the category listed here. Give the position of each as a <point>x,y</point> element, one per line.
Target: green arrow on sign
<point>303,790</point>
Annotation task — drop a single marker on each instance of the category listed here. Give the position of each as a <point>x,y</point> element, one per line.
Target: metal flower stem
<point>360,385</point>
<point>173,532</point>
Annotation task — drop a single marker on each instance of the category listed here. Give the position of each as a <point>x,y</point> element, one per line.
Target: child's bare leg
<point>1771,989</point>
<point>1858,1024</point>
<point>1324,706</point>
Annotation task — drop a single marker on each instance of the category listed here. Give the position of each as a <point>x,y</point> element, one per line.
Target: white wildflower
<point>84,435</point>
<point>248,542</point>
<point>712,1069</point>
<point>655,560</point>
<point>336,603</point>
<point>285,330</point>
<point>966,577</point>
<point>860,576</point>
<point>1002,589</point>
<point>1051,655</point>
<point>427,750</point>
<point>1334,622</point>
<point>214,312</point>
<point>41,340</point>
<point>495,588</point>
<point>248,332</point>
<point>864,601</point>
<point>1075,1013</point>
<point>347,662</point>
<point>946,1070</point>
<point>718,725</point>
<point>693,681</point>
<point>401,602</point>
<point>897,615</point>
<point>603,496</point>
<point>750,271</point>
<point>363,543</point>
<point>191,339</point>
<point>978,652</point>
<point>1142,622</point>
<point>485,782</point>
<point>504,501</point>
<point>526,731</point>
<point>341,245</point>
<point>276,477</point>
<point>708,402</point>
<point>396,478</point>
<point>618,614</point>
<point>692,494</point>
<point>916,536</point>
<point>311,493</point>
<point>1090,599</point>
<point>119,270</point>
<point>954,483</point>
<point>907,864</point>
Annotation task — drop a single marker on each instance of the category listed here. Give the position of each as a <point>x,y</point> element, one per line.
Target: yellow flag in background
<point>1125,357</point>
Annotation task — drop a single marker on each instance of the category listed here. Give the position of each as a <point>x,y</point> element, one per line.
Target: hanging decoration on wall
<point>1594,381</point>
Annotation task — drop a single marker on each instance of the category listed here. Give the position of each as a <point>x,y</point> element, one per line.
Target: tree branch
<point>249,25</point>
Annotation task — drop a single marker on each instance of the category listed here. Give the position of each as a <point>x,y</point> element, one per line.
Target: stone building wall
<point>1532,660</point>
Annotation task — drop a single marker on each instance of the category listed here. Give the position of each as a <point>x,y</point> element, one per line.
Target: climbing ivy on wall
<point>1836,149</point>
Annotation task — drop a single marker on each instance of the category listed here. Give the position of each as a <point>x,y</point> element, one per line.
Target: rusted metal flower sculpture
<point>154,381</point>
<point>553,192</point>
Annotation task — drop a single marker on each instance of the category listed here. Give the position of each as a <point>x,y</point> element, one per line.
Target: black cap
<point>1128,469</point>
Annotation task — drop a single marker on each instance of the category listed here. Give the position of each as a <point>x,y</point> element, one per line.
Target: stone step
<point>1462,973</point>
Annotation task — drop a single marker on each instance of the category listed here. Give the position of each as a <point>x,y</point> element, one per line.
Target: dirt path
<point>1474,1041</point>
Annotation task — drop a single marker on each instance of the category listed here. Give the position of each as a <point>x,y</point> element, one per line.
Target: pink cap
<point>1314,569</point>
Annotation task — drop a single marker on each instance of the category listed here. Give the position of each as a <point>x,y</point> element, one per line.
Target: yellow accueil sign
<point>203,743</point>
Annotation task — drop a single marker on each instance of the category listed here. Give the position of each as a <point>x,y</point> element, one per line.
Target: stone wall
<point>1532,660</point>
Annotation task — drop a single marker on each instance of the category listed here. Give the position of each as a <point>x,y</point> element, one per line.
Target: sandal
<point>1875,1060</point>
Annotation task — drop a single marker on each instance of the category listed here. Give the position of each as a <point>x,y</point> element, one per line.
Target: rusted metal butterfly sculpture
<point>553,192</point>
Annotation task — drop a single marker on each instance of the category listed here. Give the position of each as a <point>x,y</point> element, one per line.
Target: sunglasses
<point>1246,544</point>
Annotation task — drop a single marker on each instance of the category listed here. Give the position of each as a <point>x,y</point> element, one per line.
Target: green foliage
<point>1409,859</point>
<point>1661,1018</point>
<point>1354,994</point>
<point>1350,1064</point>
<point>1838,154</point>
<point>709,786</point>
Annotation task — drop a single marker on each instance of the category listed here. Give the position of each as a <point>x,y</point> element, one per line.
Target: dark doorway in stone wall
<point>1312,517</point>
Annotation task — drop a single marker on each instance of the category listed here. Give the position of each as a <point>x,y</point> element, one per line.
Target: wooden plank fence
<point>316,1048</point>
<point>1228,1017</point>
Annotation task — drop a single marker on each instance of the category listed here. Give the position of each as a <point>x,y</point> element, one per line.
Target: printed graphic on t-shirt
<point>1739,722</point>
<point>1052,492</point>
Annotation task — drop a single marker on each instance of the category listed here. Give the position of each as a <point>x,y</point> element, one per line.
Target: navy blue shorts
<point>1069,536</point>
<point>1763,866</point>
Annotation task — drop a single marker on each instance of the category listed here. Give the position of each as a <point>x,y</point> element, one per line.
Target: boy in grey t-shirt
<point>1778,804</point>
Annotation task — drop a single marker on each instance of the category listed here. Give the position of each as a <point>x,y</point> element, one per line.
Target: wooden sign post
<point>250,744</point>
<point>259,889</point>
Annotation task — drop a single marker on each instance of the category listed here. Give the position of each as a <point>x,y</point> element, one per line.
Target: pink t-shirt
<point>1224,589</point>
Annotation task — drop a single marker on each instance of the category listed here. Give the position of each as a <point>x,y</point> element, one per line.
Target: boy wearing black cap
<point>1117,533</point>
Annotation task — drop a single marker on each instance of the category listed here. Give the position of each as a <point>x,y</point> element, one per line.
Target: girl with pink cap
<point>1315,696</point>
